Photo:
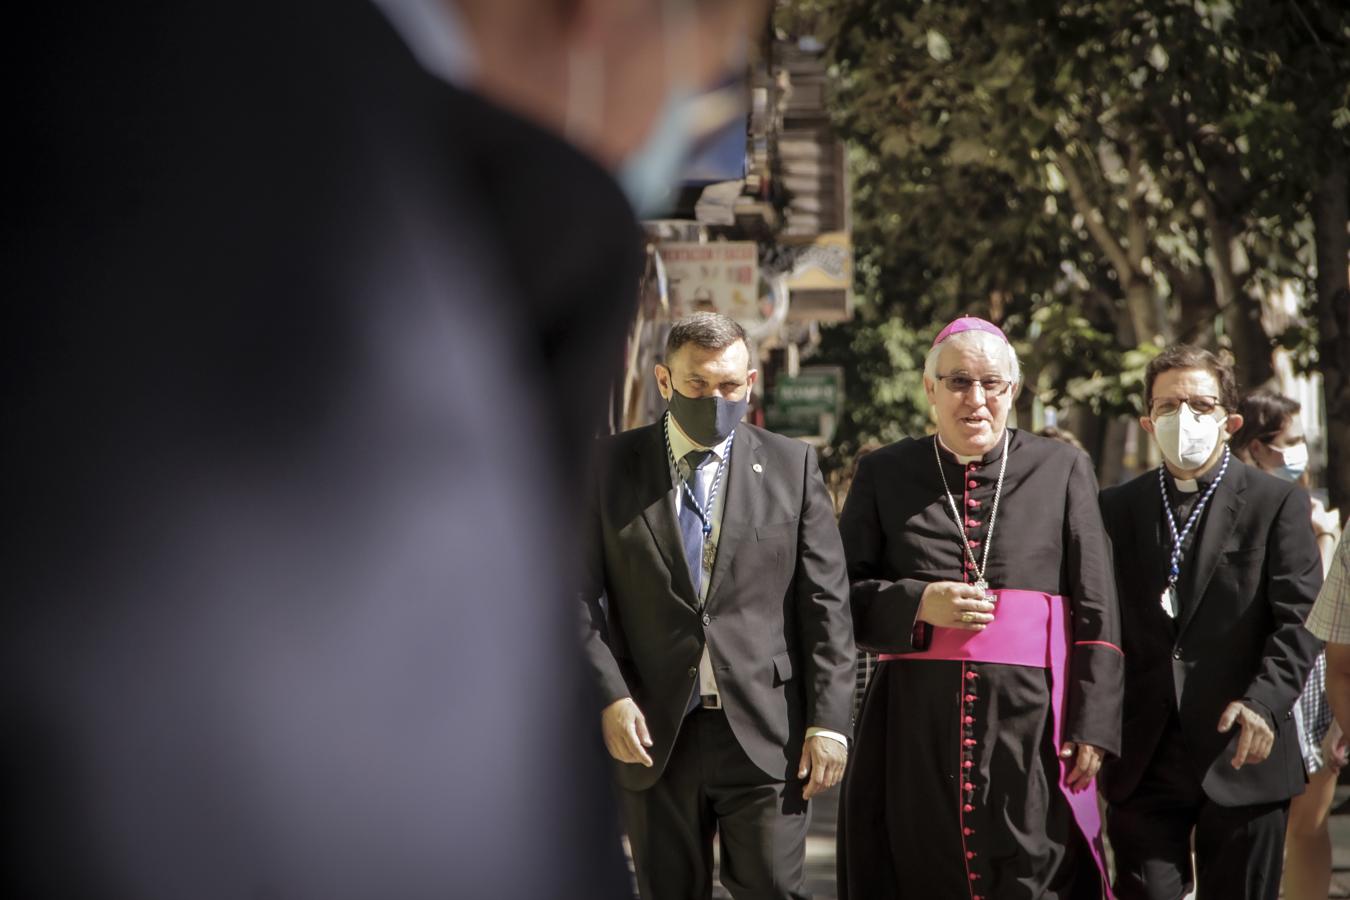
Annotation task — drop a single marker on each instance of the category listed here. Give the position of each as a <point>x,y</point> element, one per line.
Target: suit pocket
<point>776,530</point>
<point>782,668</point>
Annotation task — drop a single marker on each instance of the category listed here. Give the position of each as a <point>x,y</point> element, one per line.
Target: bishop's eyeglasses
<point>963,384</point>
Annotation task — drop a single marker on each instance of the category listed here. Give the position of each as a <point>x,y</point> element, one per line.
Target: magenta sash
<point>1029,629</point>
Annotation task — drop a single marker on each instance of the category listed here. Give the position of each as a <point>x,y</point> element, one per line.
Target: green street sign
<point>807,404</point>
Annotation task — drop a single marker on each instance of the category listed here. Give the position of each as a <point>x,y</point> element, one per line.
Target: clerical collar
<point>992,456</point>
<point>1189,485</point>
<point>1193,485</point>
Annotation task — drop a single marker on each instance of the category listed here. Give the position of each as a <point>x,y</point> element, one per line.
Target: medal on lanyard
<point>1169,594</point>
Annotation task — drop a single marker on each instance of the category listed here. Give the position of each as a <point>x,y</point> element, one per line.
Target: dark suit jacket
<point>776,618</point>
<point>1253,574</point>
<point>295,329</point>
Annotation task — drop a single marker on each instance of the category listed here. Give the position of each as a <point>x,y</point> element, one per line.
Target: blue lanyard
<point>704,512</point>
<point>1179,538</point>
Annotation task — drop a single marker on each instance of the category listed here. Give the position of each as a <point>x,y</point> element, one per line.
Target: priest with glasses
<point>1217,569</point>
<point>980,571</point>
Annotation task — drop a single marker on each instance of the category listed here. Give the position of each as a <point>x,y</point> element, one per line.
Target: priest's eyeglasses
<point>963,384</point>
<point>1166,406</point>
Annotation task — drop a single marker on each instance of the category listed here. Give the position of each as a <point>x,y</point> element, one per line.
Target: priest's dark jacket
<point>1246,587</point>
<point>954,787</point>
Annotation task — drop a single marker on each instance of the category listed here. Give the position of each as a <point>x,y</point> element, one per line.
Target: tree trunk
<point>1253,350</point>
<point>1111,469</point>
<point>1330,215</point>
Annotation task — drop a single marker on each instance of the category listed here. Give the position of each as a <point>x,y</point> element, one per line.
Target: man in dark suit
<point>1216,569</point>
<point>718,629</point>
<point>297,327</point>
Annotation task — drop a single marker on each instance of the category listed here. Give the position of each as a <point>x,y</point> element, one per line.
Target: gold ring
<point>967,617</point>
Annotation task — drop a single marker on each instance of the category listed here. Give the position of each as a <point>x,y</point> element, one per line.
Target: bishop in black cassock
<point>978,739</point>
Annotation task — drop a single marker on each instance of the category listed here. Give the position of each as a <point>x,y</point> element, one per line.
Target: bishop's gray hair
<point>992,344</point>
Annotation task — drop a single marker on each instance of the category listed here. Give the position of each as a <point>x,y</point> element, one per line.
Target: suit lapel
<point>656,497</point>
<point>1155,544</point>
<point>1148,526</point>
<point>1217,526</point>
<point>741,512</point>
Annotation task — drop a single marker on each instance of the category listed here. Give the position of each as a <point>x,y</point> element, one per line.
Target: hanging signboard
<point>820,280</point>
<point>721,276</point>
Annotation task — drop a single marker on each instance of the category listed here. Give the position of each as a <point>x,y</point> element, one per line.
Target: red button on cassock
<point>970,854</point>
<point>967,831</point>
<point>970,742</point>
<point>968,808</point>
<point>972,503</point>
<point>969,720</point>
<point>971,484</point>
<point>970,698</point>
<point>973,542</point>
<point>970,675</point>
<point>972,523</point>
<point>968,786</point>
<point>967,764</point>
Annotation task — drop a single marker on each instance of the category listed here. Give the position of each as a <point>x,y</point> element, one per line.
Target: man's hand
<point>823,761</point>
<point>1086,766</point>
<point>953,604</point>
<point>625,730</point>
<point>1256,739</point>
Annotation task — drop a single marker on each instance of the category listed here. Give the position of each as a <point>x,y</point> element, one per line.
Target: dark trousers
<point>711,787</point>
<point>1239,850</point>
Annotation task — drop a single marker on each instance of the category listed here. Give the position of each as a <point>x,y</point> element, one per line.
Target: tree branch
<point>1096,222</point>
<point>1136,224</point>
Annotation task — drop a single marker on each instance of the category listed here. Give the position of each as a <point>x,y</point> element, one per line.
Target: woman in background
<point>1272,439</point>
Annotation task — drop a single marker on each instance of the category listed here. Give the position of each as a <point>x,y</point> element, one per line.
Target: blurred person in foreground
<point>1271,438</point>
<point>717,629</point>
<point>311,341</point>
<point>981,573</point>
<point>1217,569</point>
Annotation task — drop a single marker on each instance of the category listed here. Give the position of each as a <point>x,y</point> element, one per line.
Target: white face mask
<point>1293,461</point>
<point>1186,441</point>
<point>651,173</point>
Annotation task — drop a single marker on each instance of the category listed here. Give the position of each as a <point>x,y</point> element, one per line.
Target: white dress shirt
<point>680,446</point>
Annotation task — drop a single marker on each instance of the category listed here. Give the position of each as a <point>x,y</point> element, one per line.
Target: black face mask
<point>707,420</point>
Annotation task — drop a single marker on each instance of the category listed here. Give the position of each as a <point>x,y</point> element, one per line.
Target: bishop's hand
<point>954,604</point>
<point>1087,762</point>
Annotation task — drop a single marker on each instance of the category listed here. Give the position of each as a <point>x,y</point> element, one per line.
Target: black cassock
<point>954,785</point>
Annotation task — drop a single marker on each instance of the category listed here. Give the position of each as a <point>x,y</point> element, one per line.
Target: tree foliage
<point>1100,177</point>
